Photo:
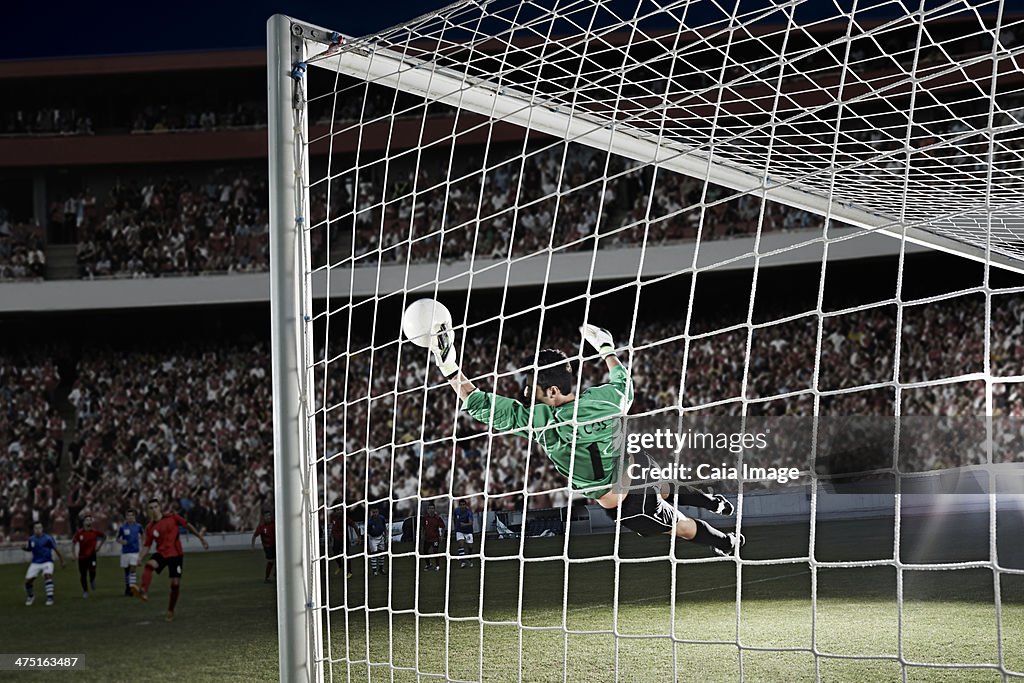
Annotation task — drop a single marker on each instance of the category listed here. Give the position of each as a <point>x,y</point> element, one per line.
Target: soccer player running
<point>267,535</point>
<point>433,528</point>
<point>89,541</point>
<point>129,535</point>
<point>585,436</point>
<point>377,540</point>
<point>42,546</point>
<point>164,528</point>
<point>464,531</point>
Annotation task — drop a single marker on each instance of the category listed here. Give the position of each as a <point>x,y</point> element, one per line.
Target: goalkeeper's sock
<point>175,590</point>
<point>270,568</point>
<point>147,578</point>
<point>711,537</point>
<point>688,496</point>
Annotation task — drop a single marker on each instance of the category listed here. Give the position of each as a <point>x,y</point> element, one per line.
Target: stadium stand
<point>46,121</point>
<point>22,255</point>
<point>195,420</point>
<point>173,226</point>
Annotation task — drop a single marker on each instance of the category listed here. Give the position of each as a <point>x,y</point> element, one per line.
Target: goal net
<point>798,221</point>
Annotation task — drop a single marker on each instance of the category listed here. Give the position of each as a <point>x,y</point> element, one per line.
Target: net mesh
<point>861,111</point>
<point>541,164</point>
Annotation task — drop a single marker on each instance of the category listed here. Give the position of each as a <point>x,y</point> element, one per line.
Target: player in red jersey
<point>89,542</point>
<point>337,520</point>
<point>164,529</point>
<point>433,529</point>
<point>267,535</point>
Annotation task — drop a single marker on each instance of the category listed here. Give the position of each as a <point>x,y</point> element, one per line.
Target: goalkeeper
<point>585,436</point>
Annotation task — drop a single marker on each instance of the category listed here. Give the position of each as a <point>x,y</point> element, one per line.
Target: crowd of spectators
<point>31,436</point>
<point>562,197</point>
<point>46,121</point>
<point>857,353</point>
<point>353,102</point>
<point>174,225</point>
<point>558,197</point>
<point>189,426</point>
<point>22,250</point>
<point>160,118</point>
<point>218,223</point>
<point>193,422</point>
<point>939,341</point>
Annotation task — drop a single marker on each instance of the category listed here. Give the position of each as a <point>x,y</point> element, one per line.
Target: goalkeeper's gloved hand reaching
<point>599,338</point>
<point>442,345</point>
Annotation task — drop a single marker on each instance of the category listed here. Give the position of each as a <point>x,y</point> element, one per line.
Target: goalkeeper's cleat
<point>736,541</point>
<point>170,616</point>
<point>29,601</point>
<point>462,565</point>
<point>348,575</point>
<point>724,505</point>
<point>85,595</point>
<point>437,567</point>
<point>139,593</point>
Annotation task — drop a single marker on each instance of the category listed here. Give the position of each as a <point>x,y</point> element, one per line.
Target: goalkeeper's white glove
<point>442,345</point>
<point>600,339</point>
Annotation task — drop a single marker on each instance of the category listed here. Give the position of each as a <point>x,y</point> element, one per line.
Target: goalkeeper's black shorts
<point>643,510</point>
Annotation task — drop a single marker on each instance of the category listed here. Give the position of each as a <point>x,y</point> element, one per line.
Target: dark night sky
<point>62,28</point>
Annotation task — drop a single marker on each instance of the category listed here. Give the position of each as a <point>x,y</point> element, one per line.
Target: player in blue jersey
<point>129,536</point>
<point>42,546</point>
<point>464,531</point>
<point>377,540</point>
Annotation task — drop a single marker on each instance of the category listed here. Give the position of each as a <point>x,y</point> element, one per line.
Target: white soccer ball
<point>422,319</point>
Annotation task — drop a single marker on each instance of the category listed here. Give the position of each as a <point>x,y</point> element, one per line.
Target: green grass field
<point>226,620</point>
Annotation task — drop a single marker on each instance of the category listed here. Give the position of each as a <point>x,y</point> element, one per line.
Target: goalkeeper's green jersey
<point>596,440</point>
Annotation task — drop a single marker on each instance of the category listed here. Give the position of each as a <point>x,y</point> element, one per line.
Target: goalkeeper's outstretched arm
<point>463,387</point>
<point>442,346</point>
<point>501,413</point>
<point>601,339</point>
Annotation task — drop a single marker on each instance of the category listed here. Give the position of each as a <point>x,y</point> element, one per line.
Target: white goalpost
<point>298,587</point>
<point>650,167</point>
